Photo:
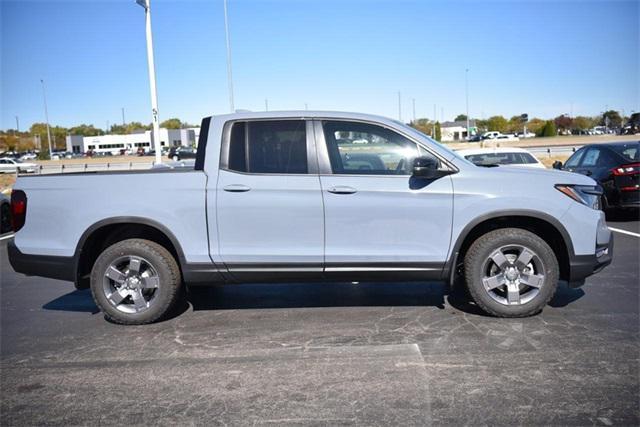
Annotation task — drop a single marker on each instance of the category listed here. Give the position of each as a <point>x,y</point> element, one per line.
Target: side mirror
<point>426,167</point>
<point>557,164</point>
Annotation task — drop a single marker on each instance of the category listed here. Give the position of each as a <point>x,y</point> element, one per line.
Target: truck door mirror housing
<point>426,167</point>
<point>557,164</point>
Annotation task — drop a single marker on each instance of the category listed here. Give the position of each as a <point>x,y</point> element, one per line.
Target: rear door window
<point>270,147</point>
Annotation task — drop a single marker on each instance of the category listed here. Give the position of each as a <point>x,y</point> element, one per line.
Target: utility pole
<point>229,75</point>
<point>123,122</point>
<point>413,101</point>
<point>17,124</point>
<point>266,104</point>
<point>435,119</point>
<point>46,116</point>
<point>399,106</point>
<point>466,85</point>
<point>152,79</point>
<point>306,107</point>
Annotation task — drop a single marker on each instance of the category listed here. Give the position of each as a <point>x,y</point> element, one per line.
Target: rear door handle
<point>342,189</point>
<point>236,188</point>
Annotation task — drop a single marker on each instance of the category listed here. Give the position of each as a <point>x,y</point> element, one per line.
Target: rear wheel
<point>135,282</point>
<point>511,272</point>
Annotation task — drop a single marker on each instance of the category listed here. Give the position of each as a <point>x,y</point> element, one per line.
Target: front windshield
<point>420,134</point>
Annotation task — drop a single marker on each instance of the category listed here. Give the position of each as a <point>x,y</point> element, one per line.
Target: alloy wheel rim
<point>513,275</point>
<point>131,284</point>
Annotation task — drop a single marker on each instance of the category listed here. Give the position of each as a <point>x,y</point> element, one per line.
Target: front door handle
<point>588,173</point>
<point>342,189</point>
<point>236,188</point>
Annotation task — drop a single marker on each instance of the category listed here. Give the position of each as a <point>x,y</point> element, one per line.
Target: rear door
<point>269,203</point>
<point>377,217</point>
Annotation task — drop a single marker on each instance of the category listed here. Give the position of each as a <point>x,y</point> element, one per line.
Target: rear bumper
<point>583,266</point>
<point>54,267</point>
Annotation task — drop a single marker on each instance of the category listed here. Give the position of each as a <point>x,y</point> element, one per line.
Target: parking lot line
<point>630,233</point>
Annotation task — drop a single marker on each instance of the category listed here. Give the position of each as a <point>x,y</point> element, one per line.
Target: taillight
<point>18,209</point>
<point>630,169</point>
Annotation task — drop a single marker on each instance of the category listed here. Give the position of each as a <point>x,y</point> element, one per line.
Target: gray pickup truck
<point>307,196</point>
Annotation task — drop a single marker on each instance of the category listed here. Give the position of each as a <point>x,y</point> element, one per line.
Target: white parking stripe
<point>630,233</point>
<point>6,237</point>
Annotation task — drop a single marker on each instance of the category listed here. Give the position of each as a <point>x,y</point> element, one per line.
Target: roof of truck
<point>304,114</point>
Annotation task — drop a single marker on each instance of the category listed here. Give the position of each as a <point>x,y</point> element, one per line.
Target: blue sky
<point>541,57</point>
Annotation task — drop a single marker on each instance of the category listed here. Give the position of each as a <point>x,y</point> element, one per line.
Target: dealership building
<point>131,142</point>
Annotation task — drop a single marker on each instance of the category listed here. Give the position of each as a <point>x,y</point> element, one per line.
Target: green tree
<point>614,119</point>
<point>461,118</point>
<point>85,130</point>
<point>497,123</point>
<point>171,124</point>
<point>549,129</point>
<point>583,122</point>
<point>438,132</point>
<point>535,125</point>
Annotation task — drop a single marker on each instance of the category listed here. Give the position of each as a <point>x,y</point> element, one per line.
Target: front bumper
<point>54,267</point>
<point>583,266</point>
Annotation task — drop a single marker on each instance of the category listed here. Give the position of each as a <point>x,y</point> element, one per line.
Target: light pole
<point>152,79</point>
<point>229,75</point>
<point>123,117</point>
<point>466,87</point>
<point>46,116</point>
<point>17,125</point>
<point>399,106</point>
<point>413,101</point>
<point>266,104</point>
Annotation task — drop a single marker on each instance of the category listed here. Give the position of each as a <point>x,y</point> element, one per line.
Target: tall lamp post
<point>152,80</point>
<point>46,116</point>
<point>466,90</point>
<point>229,75</point>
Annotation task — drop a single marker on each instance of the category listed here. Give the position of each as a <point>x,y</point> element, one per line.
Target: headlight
<point>588,195</point>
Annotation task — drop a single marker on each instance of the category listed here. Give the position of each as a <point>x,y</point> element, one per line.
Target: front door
<point>378,218</point>
<point>269,202</point>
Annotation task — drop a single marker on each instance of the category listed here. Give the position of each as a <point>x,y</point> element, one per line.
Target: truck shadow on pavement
<point>313,295</point>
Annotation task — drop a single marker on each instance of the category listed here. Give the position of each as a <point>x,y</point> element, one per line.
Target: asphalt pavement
<point>325,354</point>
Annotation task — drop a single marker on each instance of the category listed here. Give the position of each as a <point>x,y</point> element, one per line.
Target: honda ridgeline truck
<point>310,196</point>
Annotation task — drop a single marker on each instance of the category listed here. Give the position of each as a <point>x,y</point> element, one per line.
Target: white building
<point>457,131</point>
<point>130,142</point>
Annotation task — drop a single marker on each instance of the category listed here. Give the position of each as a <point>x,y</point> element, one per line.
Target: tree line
<point>562,124</point>
<point>12,140</point>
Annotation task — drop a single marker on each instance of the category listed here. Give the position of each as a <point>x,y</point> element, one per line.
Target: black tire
<point>478,257</point>
<point>169,281</point>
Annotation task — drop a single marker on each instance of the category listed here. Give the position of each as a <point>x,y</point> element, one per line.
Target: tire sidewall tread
<point>481,249</point>
<point>166,267</point>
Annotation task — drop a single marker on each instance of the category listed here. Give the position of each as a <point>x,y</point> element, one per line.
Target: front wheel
<point>135,281</point>
<point>511,272</point>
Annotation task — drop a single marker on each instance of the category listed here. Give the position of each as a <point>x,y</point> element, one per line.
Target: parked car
<point>28,156</point>
<point>490,135</point>
<point>181,152</point>
<point>273,197</point>
<point>9,165</point>
<point>506,137</point>
<point>615,166</point>
<point>475,138</point>
<point>5,214</point>
<point>506,156</point>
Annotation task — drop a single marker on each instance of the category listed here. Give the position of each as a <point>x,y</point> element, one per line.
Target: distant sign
<point>524,117</point>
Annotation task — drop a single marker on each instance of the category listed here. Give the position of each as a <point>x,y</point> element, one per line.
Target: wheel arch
<point>108,231</point>
<point>544,225</point>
